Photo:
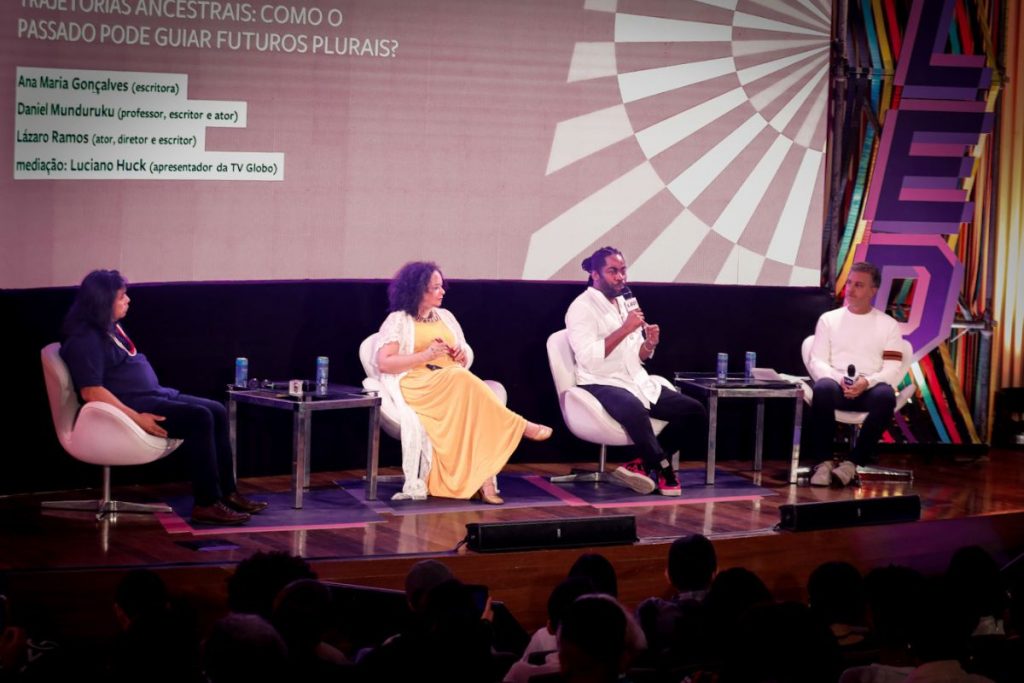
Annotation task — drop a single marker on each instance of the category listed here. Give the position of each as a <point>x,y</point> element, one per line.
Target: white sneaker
<point>822,474</point>
<point>845,472</point>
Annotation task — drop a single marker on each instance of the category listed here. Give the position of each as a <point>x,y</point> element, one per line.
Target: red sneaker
<point>632,475</point>
<point>668,483</point>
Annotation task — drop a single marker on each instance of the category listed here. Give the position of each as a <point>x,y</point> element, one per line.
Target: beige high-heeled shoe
<point>489,497</point>
<point>541,433</point>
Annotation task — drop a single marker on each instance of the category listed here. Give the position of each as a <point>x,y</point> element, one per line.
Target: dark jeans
<point>878,402</point>
<point>203,424</point>
<point>687,420</point>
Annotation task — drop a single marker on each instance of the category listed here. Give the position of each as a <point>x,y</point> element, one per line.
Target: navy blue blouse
<point>96,360</point>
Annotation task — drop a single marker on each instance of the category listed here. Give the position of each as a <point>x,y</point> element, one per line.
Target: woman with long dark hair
<point>456,434</point>
<point>105,366</point>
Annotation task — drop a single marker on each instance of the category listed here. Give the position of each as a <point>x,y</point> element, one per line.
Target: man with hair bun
<point>611,341</point>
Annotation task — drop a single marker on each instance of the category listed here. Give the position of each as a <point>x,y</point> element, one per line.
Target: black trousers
<point>878,402</point>
<point>203,424</point>
<point>687,421</point>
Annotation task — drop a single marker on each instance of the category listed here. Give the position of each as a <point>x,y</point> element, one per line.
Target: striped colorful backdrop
<point>953,396</point>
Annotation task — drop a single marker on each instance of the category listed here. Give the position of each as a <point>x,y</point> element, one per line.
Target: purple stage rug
<point>521,491</point>
<point>326,508</point>
<point>518,492</point>
<point>727,487</point>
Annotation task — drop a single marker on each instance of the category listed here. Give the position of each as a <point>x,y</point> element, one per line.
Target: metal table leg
<point>233,435</point>
<point>300,454</point>
<point>798,413</point>
<point>709,479</point>
<point>759,436</point>
<point>372,452</point>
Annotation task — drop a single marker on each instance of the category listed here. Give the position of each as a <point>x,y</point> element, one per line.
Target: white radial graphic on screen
<point>726,101</point>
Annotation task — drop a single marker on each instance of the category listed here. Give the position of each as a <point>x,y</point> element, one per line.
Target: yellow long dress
<point>472,434</point>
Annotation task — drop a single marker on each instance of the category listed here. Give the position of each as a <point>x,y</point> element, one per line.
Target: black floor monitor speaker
<point>574,532</point>
<point>840,513</point>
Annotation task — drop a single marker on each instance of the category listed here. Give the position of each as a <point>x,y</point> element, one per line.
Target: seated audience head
<point>423,577</point>
<point>158,642</point>
<point>735,590</point>
<point>140,594</point>
<point>410,283</point>
<point>243,648</point>
<point>456,639</point>
<point>973,578</point>
<point>302,614</point>
<point>599,570</point>
<point>692,563</point>
<point>782,642</point>
<point>93,306</point>
<point>940,626</point>
<point>835,592</point>
<point>563,595</point>
<point>259,578</point>
<point>732,593</point>
<point>449,607</point>
<point>894,593</point>
<point>592,640</point>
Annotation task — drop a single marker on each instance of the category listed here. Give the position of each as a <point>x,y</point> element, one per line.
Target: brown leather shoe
<point>218,513</point>
<point>236,501</point>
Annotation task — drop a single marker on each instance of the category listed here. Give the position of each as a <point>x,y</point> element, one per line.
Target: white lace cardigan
<point>417,454</point>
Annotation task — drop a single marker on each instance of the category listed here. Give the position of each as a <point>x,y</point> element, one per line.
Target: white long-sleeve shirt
<point>871,342</point>
<point>590,319</point>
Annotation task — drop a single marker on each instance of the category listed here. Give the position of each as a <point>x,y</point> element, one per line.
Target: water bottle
<point>722,367</point>
<point>749,363</point>
<point>241,372</point>
<point>321,375</point>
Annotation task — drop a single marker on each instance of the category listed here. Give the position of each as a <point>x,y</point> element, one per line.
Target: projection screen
<point>185,140</point>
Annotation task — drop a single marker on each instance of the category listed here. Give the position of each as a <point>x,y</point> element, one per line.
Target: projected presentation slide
<point>197,140</point>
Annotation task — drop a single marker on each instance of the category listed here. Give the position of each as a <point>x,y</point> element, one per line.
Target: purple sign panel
<point>917,192</point>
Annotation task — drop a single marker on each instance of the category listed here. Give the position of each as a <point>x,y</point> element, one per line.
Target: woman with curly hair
<point>453,426</point>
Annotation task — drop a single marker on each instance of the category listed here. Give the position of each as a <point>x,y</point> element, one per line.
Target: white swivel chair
<point>584,415</point>
<point>389,419</point>
<point>856,419</point>
<point>99,434</point>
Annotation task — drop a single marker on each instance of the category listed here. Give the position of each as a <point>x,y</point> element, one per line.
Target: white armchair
<point>584,415</point>
<point>99,434</point>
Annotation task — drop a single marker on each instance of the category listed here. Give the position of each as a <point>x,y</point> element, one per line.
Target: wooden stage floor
<point>71,563</point>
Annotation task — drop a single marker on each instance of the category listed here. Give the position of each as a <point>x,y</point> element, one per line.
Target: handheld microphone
<point>851,375</point>
<point>629,300</point>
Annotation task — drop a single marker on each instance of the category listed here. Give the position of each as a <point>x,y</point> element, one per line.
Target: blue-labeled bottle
<point>321,375</point>
<point>722,367</point>
<point>241,372</point>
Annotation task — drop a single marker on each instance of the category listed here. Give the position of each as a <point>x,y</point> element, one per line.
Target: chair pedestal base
<point>102,508</point>
<point>105,506</point>
<point>584,476</point>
